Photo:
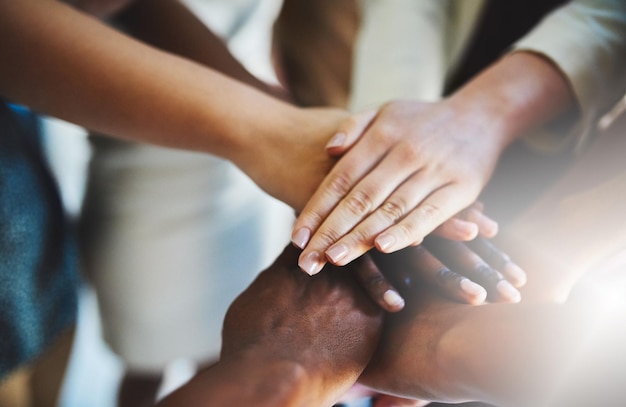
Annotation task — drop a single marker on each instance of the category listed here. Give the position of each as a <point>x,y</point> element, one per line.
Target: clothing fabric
<point>170,237</point>
<point>38,263</point>
<point>586,39</point>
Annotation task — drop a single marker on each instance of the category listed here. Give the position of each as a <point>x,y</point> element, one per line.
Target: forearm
<point>240,383</point>
<point>517,94</point>
<point>522,355</point>
<point>66,64</point>
<point>171,26</point>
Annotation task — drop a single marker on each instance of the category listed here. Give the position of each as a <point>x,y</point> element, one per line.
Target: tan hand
<point>415,166</point>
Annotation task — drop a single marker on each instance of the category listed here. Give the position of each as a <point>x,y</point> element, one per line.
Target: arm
<point>172,27</point>
<point>426,162</point>
<point>581,46</point>
<point>290,340</point>
<point>64,63</point>
<point>551,345</point>
<point>512,355</point>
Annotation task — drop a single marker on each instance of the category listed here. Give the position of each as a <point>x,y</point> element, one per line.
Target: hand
<point>291,164</point>
<point>414,167</point>
<point>290,340</point>
<point>326,325</point>
<point>406,363</point>
<point>456,271</point>
<point>468,224</point>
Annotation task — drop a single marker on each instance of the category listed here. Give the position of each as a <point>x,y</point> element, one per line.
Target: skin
<point>555,348</point>
<point>290,340</point>
<point>417,164</point>
<point>174,96</point>
<point>550,350</point>
<point>500,354</point>
<point>131,90</point>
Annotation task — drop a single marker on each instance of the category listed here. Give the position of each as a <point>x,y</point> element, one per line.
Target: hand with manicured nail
<point>463,273</point>
<point>410,166</point>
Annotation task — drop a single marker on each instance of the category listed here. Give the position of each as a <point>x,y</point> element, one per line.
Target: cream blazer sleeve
<point>586,40</point>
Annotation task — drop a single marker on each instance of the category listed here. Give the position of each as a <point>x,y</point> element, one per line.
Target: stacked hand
<point>410,167</point>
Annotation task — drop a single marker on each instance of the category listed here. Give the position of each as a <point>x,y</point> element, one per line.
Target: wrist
<point>517,94</point>
<point>487,112</point>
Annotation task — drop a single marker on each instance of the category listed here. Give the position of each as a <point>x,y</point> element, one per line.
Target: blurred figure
<point>171,237</point>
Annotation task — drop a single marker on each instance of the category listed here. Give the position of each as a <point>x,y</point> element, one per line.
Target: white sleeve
<point>399,52</point>
<point>586,40</point>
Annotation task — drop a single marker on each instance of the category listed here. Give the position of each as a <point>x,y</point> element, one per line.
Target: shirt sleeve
<point>586,40</point>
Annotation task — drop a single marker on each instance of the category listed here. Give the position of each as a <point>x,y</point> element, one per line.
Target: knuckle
<point>409,231</point>
<point>327,237</point>
<point>340,184</point>
<point>444,275</point>
<point>359,203</point>
<point>385,133</point>
<point>394,209</point>
<point>487,274</point>
<point>428,211</point>
<point>362,237</point>
<point>375,282</point>
<point>409,152</point>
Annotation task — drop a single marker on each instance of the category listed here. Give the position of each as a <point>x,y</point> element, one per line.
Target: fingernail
<point>337,252</point>
<point>301,237</point>
<point>515,272</point>
<point>312,263</point>
<point>337,140</point>
<point>393,299</point>
<point>468,229</point>
<point>472,289</point>
<point>384,242</point>
<point>492,228</point>
<point>508,291</point>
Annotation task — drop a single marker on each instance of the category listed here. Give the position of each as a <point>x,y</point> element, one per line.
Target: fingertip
<point>508,292</point>
<point>489,228</point>
<point>301,237</point>
<point>475,294</point>
<point>516,274</point>
<point>311,263</point>
<point>385,242</point>
<point>466,230</point>
<point>393,300</point>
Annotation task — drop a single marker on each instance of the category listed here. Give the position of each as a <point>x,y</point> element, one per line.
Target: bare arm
<point>62,62</point>
<point>290,340</point>
<point>511,355</point>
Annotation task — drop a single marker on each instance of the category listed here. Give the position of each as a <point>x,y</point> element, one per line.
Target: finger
<point>376,285</point>
<point>417,264</point>
<point>457,229</point>
<point>336,185</point>
<point>364,198</point>
<point>361,238</point>
<point>429,214</point>
<point>498,259</point>
<point>487,227</point>
<point>350,131</point>
<point>460,258</point>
